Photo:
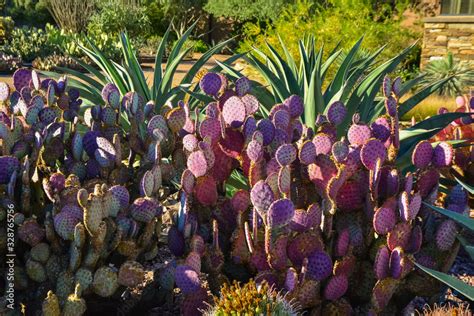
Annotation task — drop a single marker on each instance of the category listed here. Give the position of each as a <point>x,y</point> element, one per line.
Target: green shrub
<point>113,18</point>
<point>6,26</point>
<point>181,14</point>
<point>200,46</point>
<point>157,17</point>
<point>246,10</point>
<point>150,45</point>
<point>335,22</point>
<point>28,43</point>
<point>462,75</point>
<point>31,43</point>
<point>29,12</point>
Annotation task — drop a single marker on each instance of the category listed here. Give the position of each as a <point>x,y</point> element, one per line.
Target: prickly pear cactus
<point>87,189</point>
<point>332,223</point>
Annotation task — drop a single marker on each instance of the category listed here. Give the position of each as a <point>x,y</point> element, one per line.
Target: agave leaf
<point>124,74</point>
<point>135,70</point>
<point>167,81</point>
<point>459,218</point>
<point>92,70</point>
<point>289,58</point>
<point>466,186</point>
<point>158,71</point>
<point>408,85</point>
<point>438,121</point>
<point>200,97</point>
<point>104,64</point>
<point>469,248</point>
<point>180,42</point>
<point>229,70</point>
<point>236,182</point>
<point>97,85</point>
<point>273,66</point>
<point>338,82</point>
<point>329,61</point>
<point>356,73</point>
<point>313,98</point>
<point>420,96</point>
<point>280,91</point>
<point>305,67</point>
<point>366,91</point>
<point>458,285</point>
<point>288,76</point>
<point>425,130</point>
<point>313,101</point>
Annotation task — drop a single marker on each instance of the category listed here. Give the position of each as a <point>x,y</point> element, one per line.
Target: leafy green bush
<point>246,10</point>
<point>200,46</point>
<point>6,26</point>
<point>113,18</point>
<point>149,46</point>
<point>462,75</point>
<point>335,22</point>
<point>29,12</point>
<point>180,14</point>
<point>31,43</point>
<point>28,43</point>
<point>157,17</point>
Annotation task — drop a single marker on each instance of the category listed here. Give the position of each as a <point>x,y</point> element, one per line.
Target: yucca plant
<point>129,76</point>
<point>461,75</point>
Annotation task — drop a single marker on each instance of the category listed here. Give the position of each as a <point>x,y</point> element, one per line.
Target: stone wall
<point>448,33</point>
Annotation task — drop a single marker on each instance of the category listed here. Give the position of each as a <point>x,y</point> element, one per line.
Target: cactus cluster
<point>320,223</point>
<point>331,222</point>
<point>87,188</point>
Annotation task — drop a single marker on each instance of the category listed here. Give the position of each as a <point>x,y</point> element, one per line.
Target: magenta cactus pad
<point>280,213</point>
<point>336,113</point>
<point>319,265</point>
<point>210,83</point>
<point>358,134</point>
<point>336,287</point>
<point>371,152</point>
<point>422,154</point>
<point>285,154</point>
<point>187,279</point>
<point>443,155</point>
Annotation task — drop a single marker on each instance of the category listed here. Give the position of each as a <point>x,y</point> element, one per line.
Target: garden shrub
<point>31,43</point>
<point>246,10</point>
<point>28,43</point>
<point>6,26</point>
<point>29,12</point>
<point>113,18</point>
<point>336,22</point>
<point>180,14</point>
<point>149,46</point>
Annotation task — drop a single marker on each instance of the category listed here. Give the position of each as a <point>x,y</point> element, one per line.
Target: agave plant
<point>461,75</point>
<point>129,75</point>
